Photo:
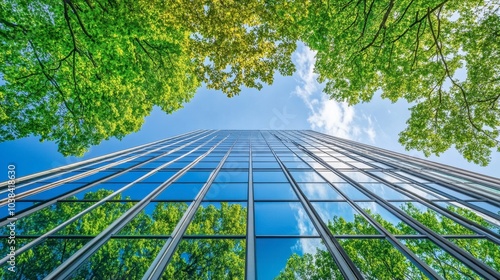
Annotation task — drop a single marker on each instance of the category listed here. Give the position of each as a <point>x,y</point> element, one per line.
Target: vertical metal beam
<point>250,257</point>
<point>345,265</point>
<point>159,264</point>
<point>102,201</point>
<point>72,263</point>
<point>73,166</point>
<point>466,258</point>
<point>79,189</point>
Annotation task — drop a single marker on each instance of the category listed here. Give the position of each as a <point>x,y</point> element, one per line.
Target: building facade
<point>238,204</point>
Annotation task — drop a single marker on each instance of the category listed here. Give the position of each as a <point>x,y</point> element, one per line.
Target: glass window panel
<point>290,157</point>
<point>5,211</point>
<point>269,176</point>
<point>239,158</point>
<point>338,164</point>
<point>235,164</point>
<point>307,177</point>
<point>51,216</point>
<point>193,176</point>
<point>384,191</point>
<point>207,259</point>
<point>351,192</point>
<point>39,261</point>
<point>263,158</point>
<point>206,164</point>
<point>177,165</point>
<point>431,219</point>
<point>316,165</point>
<point>157,218</point>
<point>158,177</point>
<point>379,259</point>
<point>282,218</point>
<point>420,191</point>
<point>180,191</point>
<point>332,177</point>
<point>227,191</point>
<point>120,259</point>
<point>387,177</point>
<point>54,192</point>
<point>265,164</point>
<point>482,249</point>
<point>296,164</point>
<point>294,258</point>
<point>86,179</point>
<point>418,179</point>
<point>487,206</point>
<point>449,192</point>
<point>219,218</point>
<point>473,215</point>
<point>274,191</point>
<point>319,191</point>
<point>359,177</point>
<point>155,164</point>
<point>360,164</point>
<point>438,259</point>
<point>127,177</point>
<point>232,176</point>
<point>95,221</point>
<point>388,220</point>
<point>136,192</point>
<point>341,218</point>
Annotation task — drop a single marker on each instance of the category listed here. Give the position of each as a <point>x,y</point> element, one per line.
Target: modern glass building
<point>239,204</point>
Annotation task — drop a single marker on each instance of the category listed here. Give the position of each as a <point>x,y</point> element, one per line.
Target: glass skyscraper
<point>242,204</point>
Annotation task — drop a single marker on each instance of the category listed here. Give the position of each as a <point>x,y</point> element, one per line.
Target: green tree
<point>413,50</point>
<point>379,259</point>
<point>81,71</point>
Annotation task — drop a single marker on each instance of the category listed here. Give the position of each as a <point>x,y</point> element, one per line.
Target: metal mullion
<point>344,263</point>
<point>250,256</point>
<point>87,186</point>
<point>459,219</point>
<point>445,184</point>
<point>428,271</point>
<point>83,175</point>
<point>72,263</point>
<point>425,164</point>
<point>92,207</point>
<point>65,168</point>
<point>473,226</point>
<point>450,198</point>
<point>425,175</point>
<point>448,246</point>
<point>157,268</point>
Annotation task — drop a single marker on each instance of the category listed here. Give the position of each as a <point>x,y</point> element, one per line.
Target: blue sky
<point>294,102</point>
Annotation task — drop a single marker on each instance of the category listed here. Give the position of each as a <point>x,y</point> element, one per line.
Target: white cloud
<point>328,116</point>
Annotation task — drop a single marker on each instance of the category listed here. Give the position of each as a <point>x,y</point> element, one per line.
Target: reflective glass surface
<point>294,258</point>
<point>207,259</point>
<point>274,191</point>
<point>342,219</point>
<point>282,218</point>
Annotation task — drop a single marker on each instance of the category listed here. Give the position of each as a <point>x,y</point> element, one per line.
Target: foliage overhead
<point>80,71</point>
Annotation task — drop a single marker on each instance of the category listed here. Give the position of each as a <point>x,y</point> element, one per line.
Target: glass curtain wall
<point>242,204</point>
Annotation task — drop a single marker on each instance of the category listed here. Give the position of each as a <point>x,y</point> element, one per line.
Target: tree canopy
<point>80,71</point>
